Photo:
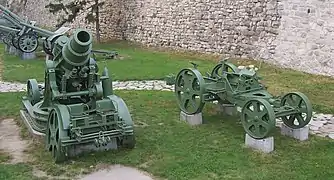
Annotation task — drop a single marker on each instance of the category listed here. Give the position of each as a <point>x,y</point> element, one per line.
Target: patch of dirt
<point>11,142</point>
<point>41,174</point>
<point>118,172</point>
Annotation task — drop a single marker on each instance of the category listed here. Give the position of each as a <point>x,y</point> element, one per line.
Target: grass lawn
<point>143,63</point>
<point>169,148</point>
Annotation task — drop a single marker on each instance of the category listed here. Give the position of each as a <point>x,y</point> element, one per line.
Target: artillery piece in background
<point>22,34</point>
<point>77,107</point>
<point>229,85</point>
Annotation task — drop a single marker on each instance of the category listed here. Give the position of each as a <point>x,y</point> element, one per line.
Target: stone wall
<point>292,33</point>
<point>306,36</point>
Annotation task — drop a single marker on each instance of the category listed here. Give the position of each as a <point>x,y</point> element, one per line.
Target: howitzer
<point>22,34</point>
<point>77,107</point>
<point>241,87</point>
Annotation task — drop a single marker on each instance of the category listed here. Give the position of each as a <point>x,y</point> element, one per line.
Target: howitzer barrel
<point>77,50</point>
<point>39,31</point>
<point>8,29</point>
<point>4,22</point>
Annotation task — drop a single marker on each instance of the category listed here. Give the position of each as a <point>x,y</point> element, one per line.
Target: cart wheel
<point>53,136</point>
<point>258,118</point>
<point>227,67</point>
<point>33,92</point>
<point>189,89</point>
<point>299,101</point>
<point>28,42</point>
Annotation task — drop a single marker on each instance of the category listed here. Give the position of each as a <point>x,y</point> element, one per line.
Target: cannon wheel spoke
<point>189,90</point>
<point>258,118</point>
<point>53,143</point>
<point>302,104</point>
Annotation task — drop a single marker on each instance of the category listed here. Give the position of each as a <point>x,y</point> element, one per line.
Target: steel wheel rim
<point>302,103</point>
<point>227,68</point>
<point>33,91</point>
<point>189,91</point>
<point>258,118</point>
<point>28,43</point>
<point>53,137</point>
<point>9,38</point>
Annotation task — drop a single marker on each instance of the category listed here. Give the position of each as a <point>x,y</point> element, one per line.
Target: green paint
<point>228,84</point>
<point>77,105</point>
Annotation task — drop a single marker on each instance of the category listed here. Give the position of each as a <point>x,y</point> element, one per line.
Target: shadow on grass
<point>172,149</point>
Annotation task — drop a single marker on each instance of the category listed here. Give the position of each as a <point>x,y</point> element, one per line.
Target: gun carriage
<point>241,87</point>
<point>77,106</point>
<point>22,34</point>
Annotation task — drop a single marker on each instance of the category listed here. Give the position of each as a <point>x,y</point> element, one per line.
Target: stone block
<point>264,145</point>
<point>27,56</point>
<point>300,134</point>
<point>7,48</point>
<point>13,50</point>
<point>228,109</point>
<point>193,119</point>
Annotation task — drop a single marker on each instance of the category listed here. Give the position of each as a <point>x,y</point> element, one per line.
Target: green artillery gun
<point>106,54</point>
<point>22,34</point>
<point>77,107</point>
<point>241,87</point>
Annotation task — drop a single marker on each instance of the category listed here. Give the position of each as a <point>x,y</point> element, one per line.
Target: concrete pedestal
<point>300,134</point>
<point>264,145</point>
<point>27,56</point>
<point>7,48</point>
<point>194,119</point>
<point>13,50</point>
<point>228,109</point>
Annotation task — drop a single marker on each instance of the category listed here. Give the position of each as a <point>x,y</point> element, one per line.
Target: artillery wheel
<point>8,39</point>
<point>28,42</point>
<point>258,118</point>
<point>228,67</point>
<point>53,136</point>
<point>189,89</point>
<point>298,101</point>
<point>33,93</point>
<point>15,41</point>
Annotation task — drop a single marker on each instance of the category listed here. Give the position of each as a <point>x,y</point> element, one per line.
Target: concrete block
<point>194,119</point>
<point>264,145</point>
<point>27,56</point>
<point>7,48</point>
<point>13,50</point>
<point>228,109</point>
<point>300,134</point>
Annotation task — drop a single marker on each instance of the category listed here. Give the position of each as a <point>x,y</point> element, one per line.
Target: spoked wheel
<point>28,42</point>
<point>189,91</point>
<point>8,39</point>
<point>53,136</point>
<point>15,41</point>
<point>226,67</point>
<point>33,91</point>
<point>300,102</point>
<point>258,118</point>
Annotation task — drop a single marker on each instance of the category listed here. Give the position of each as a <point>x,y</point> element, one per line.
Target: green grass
<point>14,172</point>
<point>141,63</point>
<point>135,64</point>
<point>169,148</point>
